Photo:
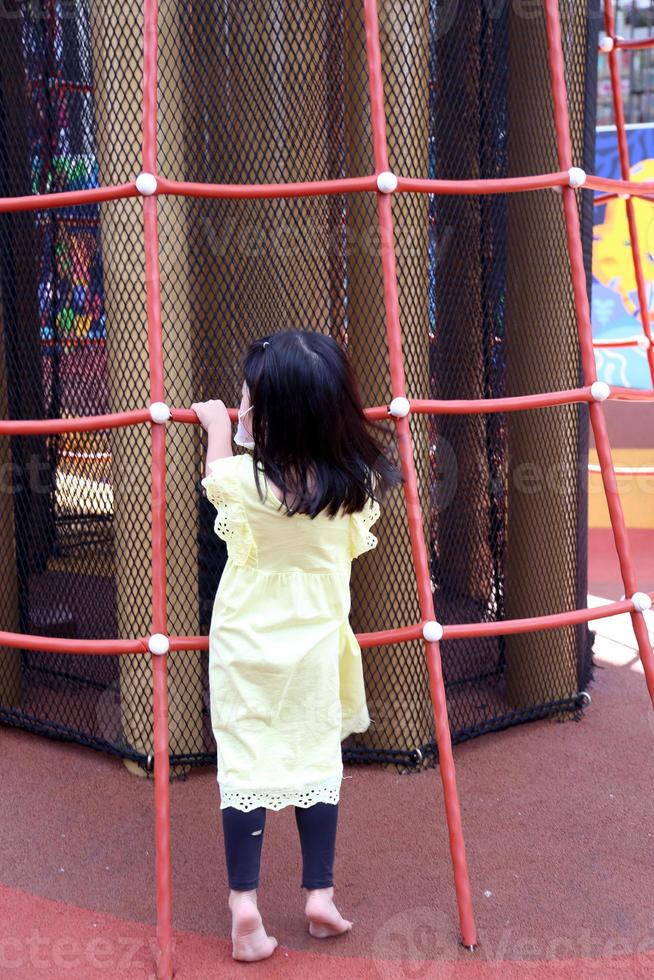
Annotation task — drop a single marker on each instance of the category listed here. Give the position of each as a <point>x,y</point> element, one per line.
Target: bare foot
<point>250,940</point>
<point>324,918</point>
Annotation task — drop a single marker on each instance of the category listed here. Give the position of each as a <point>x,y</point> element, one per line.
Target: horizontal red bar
<point>632,394</point>
<point>419,406</point>
<point>620,43</point>
<point>615,343</point>
<point>81,423</point>
<point>51,644</point>
<point>535,623</point>
<point>513,404</point>
<point>344,185</point>
<point>603,198</point>
<point>188,415</point>
<point>632,187</point>
<point>507,185</point>
<point>495,185</point>
<point>451,406</point>
<point>60,644</point>
<point>401,634</point>
<point>63,199</point>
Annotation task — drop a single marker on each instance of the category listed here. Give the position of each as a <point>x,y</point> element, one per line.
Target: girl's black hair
<point>308,420</point>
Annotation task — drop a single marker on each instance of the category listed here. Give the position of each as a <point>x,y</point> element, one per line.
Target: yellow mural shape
<point>613,263</point>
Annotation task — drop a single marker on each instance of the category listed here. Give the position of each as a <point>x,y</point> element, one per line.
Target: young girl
<point>286,680</point>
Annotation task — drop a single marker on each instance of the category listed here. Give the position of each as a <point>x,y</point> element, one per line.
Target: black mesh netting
<point>262,93</point>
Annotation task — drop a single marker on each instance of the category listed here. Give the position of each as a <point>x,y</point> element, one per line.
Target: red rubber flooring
<point>558,825</point>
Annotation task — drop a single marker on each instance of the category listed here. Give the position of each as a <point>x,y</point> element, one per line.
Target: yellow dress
<point>285,673</point>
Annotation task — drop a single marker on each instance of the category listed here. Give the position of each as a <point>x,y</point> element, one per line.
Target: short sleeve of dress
<point>361,537</point>
<point>223,486</point>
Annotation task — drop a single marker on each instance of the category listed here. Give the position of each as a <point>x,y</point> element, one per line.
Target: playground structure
<point>384,184</point>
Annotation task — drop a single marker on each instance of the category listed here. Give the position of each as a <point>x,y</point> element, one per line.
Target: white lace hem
<point>275,799</point>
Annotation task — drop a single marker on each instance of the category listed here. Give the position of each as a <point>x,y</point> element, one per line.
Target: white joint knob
<point>399,407</point>
<point>576,177</point>
<point>146,184</point>
<point>641,601</point>
<point>158,643</point>
<point>606,44</point>
<point>432,631</point>
<point>642,342</point>
<point>624,197</point>
<point>159,412</point>
<point>600,391</point>
<point>386,182</point>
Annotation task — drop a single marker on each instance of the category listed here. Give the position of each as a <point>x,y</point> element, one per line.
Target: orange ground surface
<point>559,835</point>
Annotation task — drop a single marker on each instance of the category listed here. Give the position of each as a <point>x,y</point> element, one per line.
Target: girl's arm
<point>215,420</point>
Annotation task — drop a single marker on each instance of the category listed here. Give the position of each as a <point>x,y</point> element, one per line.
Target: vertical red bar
<point>414,514</point>
<point>585,331</point>
<point>623,149</point>
<point>158,469</point>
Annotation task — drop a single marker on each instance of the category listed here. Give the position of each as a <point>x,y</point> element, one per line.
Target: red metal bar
<point>512,185</point>
<point>400,634</point>
<point>460,406</point>
<point>80,423</point>
<point>61,199</point>
<point>582,311</point>
<point>423,406</point>
<point>420,406</point>
<point>451,406</point>
<point>623,150</point>
<point>419,553</point>
<point>164,959</point>
<point>465,406</point>
<point>632,394</point>
<point>72,645</point>
<point>504,185</point>
<point>644,189</point>
<point>632,342</point>
<point>623,45</point>
<point>535,623</point>
<point>250,192</point>
<point>491,185</point>
<point>455,631</point>
<point>602,198</point>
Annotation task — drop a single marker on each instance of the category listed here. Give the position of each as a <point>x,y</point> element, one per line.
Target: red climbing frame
<point>427,624</point>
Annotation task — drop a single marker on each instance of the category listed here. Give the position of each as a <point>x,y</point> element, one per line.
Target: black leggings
<point>243,834</point>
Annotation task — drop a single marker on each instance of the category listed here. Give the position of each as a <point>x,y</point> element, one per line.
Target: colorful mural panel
<point>615,308</point>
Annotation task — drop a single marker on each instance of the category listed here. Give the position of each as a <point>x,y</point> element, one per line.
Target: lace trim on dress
<point>362,539</point>
<point>306,796</point>
<point>224,491</point>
